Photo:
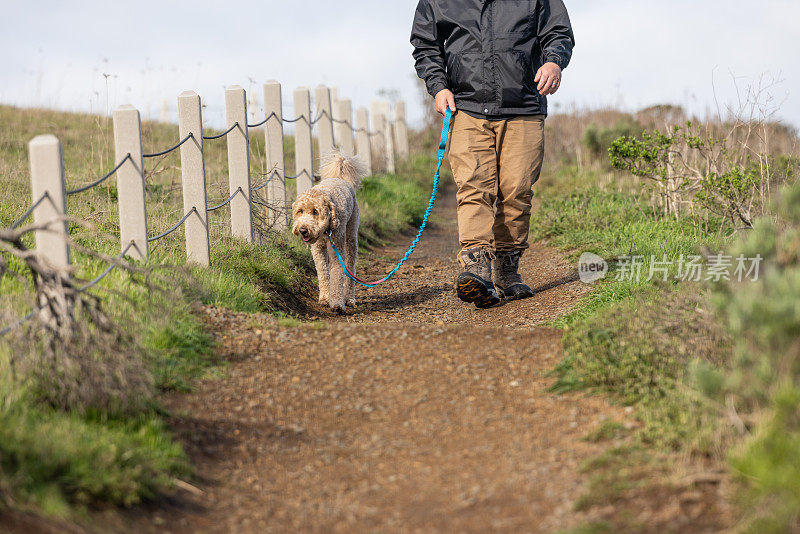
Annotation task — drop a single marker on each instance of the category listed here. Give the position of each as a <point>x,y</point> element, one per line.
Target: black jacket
<point>488,51</point>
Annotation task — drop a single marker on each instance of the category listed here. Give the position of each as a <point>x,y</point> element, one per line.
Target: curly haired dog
<point>331,205</point>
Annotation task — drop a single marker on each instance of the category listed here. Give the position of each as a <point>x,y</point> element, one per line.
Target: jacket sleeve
<point>555,32</point>
<point>428,49</point>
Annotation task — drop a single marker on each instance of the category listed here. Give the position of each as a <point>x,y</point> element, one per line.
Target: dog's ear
<point>334,218</point>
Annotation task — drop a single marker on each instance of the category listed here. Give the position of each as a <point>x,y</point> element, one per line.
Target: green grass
<point>768,467</point>
<point>636,340</point>
<point>250,277</point>
<point>53,461</point>
<point>607,431</point>
<point>389,205</point>
<point>60,452</point>
<point>648,353</point>
<point>594,527</point>
<point>613,224</point>
<point>710,368</point>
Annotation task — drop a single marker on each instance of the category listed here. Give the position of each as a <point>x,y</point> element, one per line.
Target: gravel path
<point>415,413</point>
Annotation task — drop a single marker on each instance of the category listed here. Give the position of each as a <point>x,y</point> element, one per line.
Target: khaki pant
<point>495,164</point>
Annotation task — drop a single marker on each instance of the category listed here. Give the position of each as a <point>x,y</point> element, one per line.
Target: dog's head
<point>314,215</point>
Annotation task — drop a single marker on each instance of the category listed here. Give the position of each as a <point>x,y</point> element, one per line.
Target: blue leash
<point>442,146</point>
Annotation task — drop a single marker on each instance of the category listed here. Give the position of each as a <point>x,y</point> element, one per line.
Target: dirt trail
<point>415,413</point>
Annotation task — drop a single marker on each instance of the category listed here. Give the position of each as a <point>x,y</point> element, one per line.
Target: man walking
<point>495,61</point>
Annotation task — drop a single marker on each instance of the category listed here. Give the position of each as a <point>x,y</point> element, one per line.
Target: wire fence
<point>225,203</point>
<point>172,228</point>
<point>105,177</point>
<point>19,322</point>
<point>277,209</point>
<point>87,187</point>
<point>29,211</point>
<point>170,149</point>
<point>320,116</point>
<point>223,134</point>
<point>275,174</point>
<point>110,268</point>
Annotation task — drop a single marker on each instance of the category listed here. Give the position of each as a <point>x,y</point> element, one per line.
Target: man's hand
<point>445,99</point>
<point>548,78</point>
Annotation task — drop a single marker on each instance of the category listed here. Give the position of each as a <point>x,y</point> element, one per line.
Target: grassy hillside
<point>710,368</point>
<point>80,422</point>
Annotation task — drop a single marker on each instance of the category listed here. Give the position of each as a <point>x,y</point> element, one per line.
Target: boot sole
<point>509,298</point>
<point>470,289</point>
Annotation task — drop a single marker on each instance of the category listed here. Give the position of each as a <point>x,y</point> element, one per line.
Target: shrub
<point>762,386</point>
<point>689,166</point>
<point>598,140</point>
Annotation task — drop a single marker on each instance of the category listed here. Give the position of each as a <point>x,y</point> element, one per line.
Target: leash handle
<point>448,116</point>
<point>442,149</point>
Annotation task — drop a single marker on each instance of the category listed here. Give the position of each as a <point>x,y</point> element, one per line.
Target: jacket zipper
<point>493,57</point>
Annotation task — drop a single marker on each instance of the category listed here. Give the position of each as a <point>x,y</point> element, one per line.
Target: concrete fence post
<point>401,130</point>
<point>130,182</point>
<point>252,108</point>
<point>377,143</point>
<point>322,95</point>
<point>343,129</point>
<point>47,177</point>
<point>193,175</point>
<point>303,142</point>
<point>164,111</point>
<point>387,137</point>
<point>363,139</point>
<point>239,162</point>
<point>273,132</point>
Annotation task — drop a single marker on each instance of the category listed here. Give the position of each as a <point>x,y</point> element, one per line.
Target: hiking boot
<point>506,273</point>
<point>475,283</point>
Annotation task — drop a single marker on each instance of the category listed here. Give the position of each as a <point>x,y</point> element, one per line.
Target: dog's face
<point>313,215</point>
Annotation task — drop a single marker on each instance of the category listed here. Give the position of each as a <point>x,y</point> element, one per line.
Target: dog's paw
<point>323,299</point>
<point>352,303</point>
<point>337,308</point>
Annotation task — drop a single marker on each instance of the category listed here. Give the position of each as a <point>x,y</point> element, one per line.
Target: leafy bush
<point>598,140</point>
<point>762,385</point>
<point>689,166</point>
<point>728,193</point>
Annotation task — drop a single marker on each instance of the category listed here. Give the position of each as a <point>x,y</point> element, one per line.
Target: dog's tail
<point>337,165</point>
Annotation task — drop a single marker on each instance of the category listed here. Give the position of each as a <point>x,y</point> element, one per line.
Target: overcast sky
<point>630,53</point>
